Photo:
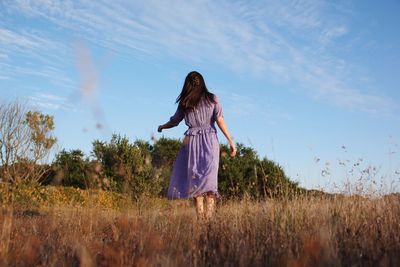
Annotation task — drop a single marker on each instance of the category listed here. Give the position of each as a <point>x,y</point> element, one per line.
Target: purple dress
<point>195,169</point>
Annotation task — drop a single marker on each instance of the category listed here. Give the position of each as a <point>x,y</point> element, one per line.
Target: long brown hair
<point>194,89</point>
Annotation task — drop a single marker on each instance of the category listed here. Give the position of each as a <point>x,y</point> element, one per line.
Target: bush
<point>246,174</point>
<point>164,152</point>
<point>71,169</point>
<point>275,182</point>
<point>142,169</point>
<point>136,169</point>
<point>128,165</point>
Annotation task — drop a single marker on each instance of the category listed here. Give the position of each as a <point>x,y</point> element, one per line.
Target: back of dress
<point>201,118</point>
<point>195,170</point>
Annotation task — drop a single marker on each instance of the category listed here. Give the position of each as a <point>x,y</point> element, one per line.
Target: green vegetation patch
<point>46,196</point>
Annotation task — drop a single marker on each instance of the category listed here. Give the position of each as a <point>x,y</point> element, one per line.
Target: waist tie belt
<point>200,130</point>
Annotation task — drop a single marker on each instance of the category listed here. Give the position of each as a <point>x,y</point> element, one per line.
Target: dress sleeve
<point>217,109</point>
<point>177,117</point>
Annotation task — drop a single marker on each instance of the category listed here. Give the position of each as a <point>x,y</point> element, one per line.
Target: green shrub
<point>72,169</point>
<point>129,165</point>
<point>246,174</point>
<point>142,169</point>
<point>164,152</point>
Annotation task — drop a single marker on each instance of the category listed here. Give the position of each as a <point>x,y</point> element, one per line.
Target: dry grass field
<point>346,231</point>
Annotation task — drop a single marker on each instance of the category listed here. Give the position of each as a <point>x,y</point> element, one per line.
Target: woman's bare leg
<point>199,202</point>
<point>210,206</point>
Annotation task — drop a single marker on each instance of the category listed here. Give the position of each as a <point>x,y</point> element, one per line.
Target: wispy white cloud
<point>252,107</point>
<point>329,35</point>
<point>28,43</point>
<point>287,41</point>
<point>50,101</point>
<point>8,37</point>
<point>3,56</point>
<point>241,105</point>
<point>28,53</point>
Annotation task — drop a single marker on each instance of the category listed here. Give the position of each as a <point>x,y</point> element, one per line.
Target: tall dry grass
<point>345,231</point>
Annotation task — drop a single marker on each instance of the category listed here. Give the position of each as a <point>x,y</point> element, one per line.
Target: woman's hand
<point>233,149</point>
<point>166,125</point>
<point>221,124</point>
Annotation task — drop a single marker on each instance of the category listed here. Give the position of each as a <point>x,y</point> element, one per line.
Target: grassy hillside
<point>310,231</point>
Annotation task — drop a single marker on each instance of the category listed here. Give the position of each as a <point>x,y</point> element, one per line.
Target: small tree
<point>14,138</point>
<point>25,141</point>
<point>41,127</point>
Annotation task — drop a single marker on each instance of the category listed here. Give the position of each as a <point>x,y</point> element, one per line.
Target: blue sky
<point>313,85</point>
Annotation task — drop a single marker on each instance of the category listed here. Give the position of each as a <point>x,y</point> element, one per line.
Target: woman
<point>195,171</point>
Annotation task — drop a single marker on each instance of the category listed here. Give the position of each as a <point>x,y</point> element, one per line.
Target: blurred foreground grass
<point>55,226</point>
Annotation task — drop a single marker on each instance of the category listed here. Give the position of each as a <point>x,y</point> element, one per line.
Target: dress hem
<point>216,193</point>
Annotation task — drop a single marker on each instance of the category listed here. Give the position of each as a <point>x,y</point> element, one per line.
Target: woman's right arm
<point>173,121</point>
<point>222,125</point>
<point>219,118</point>
<point>166,125</point>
